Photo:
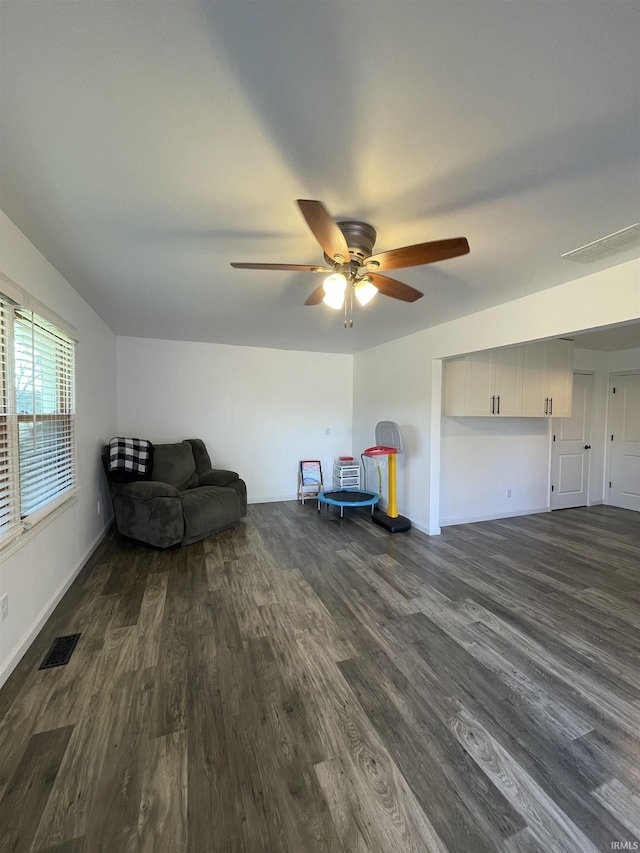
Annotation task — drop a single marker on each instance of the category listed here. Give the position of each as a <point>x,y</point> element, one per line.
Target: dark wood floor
<point>306,683</point>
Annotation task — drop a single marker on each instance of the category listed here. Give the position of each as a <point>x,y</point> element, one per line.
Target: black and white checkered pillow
<point>130,456</point>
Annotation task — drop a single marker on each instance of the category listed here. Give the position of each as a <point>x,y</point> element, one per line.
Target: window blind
<point>44,367</point>
<point>9,513</point>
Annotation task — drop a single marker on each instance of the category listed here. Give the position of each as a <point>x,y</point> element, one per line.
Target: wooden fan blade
<point>324,229</point>
<point>316,297</point>
<point>395,289</point>
<point>300,267</point>
<point>421,253</point>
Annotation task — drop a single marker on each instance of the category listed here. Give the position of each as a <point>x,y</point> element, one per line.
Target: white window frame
<point>15,525</point>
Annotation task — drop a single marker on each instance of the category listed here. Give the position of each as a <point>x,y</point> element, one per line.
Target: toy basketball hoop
<point>379,457</point>
<point>389,445</point>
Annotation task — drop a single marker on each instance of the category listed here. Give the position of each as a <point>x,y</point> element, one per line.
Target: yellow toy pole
<point>392,508</point>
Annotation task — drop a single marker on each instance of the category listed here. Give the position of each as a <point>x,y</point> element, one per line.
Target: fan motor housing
<point>360,237</point>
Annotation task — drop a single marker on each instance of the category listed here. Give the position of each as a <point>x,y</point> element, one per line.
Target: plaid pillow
<point>130,458</point>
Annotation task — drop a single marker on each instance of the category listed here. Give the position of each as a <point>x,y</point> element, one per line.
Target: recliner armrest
<point>217,477</point>
<point>147,489</point>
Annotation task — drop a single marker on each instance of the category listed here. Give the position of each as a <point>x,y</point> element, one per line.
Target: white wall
<point>259,411</point>
<point>37,573</point>
<point>626,359</point>
<point>391,384</point>
<point>483,457</point>
<point>401,380</point>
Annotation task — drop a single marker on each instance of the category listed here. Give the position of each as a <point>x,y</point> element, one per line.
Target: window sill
<point>38,523</point>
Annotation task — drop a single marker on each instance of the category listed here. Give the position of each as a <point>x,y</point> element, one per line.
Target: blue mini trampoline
<point>348,497</point>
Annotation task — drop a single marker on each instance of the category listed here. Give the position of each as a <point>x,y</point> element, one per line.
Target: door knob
<point>587,447</point>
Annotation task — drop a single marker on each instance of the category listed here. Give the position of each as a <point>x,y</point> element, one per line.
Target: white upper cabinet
<point>533,380</point>
<point>484,384</point>
<point>508,366</point>
<point>548,379</point>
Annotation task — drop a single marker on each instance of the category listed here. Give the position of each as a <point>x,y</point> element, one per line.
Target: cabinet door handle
<point>550,405</point>
<point>546,405</point>
<point>587,447</point>
<point>498,399</point>
<point>493,405</point>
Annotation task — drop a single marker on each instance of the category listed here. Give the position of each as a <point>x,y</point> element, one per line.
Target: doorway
<point>571,448</point>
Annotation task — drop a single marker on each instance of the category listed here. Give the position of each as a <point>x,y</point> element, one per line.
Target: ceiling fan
<point>347,248</point>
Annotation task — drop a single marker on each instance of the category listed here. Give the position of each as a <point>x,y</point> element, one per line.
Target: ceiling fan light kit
<point>365,290</point>
<point>334,287</point>
<point>347,248</point>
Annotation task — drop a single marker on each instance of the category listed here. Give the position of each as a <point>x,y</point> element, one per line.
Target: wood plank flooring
<point>309,683</point>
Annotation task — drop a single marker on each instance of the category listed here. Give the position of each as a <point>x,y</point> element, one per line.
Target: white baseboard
<point>32,632</point>
<point>448,522</point>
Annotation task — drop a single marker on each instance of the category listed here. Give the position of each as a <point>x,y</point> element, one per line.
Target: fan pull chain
<point>350,318</point>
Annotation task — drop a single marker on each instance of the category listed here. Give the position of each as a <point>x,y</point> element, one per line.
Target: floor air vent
<point>60,652</point>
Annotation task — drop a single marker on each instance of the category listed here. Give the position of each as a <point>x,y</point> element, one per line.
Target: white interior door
<point>624,426</point>
<point>571,448</point>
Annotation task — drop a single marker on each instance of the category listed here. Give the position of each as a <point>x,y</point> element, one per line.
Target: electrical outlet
<point>508,493</point>
<point>4,607</point>
<point>99,508</point>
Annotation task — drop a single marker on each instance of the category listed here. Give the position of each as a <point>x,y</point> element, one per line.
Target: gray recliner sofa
<point>185,499</point>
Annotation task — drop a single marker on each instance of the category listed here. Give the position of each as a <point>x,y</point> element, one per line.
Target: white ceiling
<point>610,339</point>
<point>147,145</point>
